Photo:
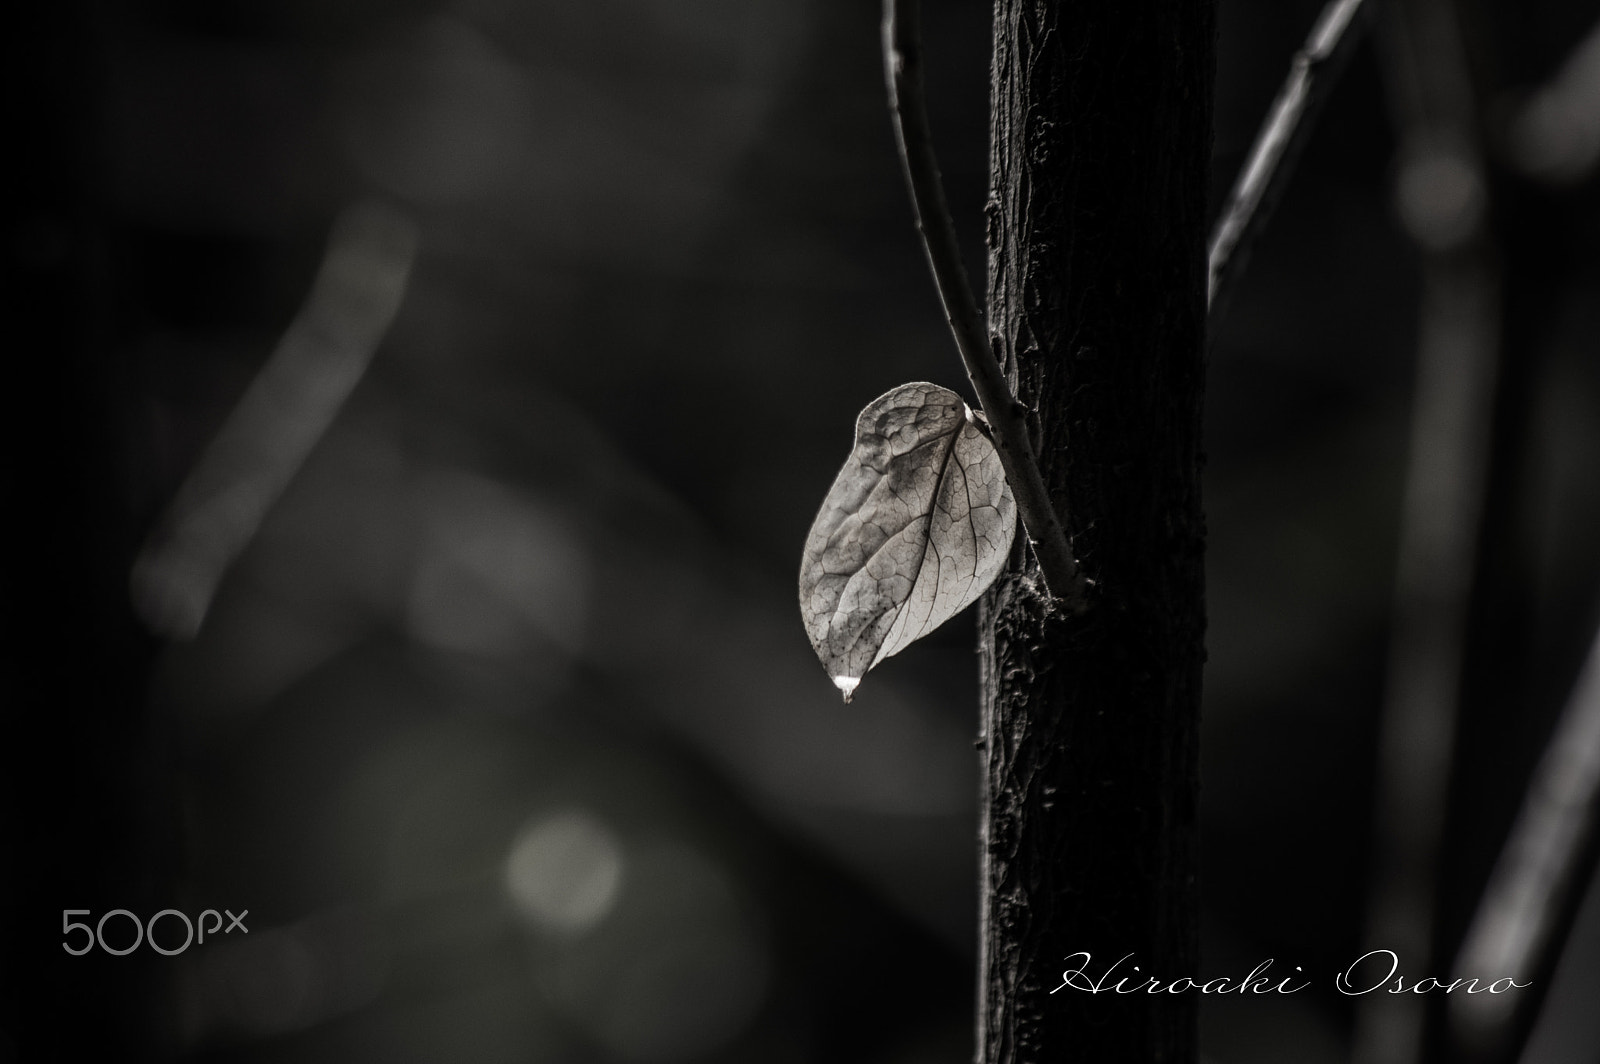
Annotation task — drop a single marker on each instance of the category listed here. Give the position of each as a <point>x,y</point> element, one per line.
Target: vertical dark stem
<point>1101,129</point>
<point>1442,195</point>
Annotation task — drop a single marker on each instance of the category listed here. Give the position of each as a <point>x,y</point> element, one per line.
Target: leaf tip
<point>847,686</point>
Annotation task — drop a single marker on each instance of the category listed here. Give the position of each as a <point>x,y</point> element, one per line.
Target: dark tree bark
<point>1101,129</point>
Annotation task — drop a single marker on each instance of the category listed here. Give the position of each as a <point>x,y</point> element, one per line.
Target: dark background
<point>504,727</point>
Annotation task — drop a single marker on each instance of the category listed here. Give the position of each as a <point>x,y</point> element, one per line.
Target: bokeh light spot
<point>564,872</point>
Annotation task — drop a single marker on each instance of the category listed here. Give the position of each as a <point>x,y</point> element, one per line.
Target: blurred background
<point>463,376</point>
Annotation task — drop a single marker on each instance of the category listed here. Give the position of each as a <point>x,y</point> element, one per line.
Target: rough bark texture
<point>1100,134</point>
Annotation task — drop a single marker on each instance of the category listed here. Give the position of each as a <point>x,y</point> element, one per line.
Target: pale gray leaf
<point>916,526</point>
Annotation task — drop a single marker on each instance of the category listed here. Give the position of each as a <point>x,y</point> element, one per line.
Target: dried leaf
<point>916,526</point>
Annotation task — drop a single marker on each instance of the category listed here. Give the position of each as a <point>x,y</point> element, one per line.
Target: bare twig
<point>1283,133</point>
<point>902,61</point>
<point>286,409</point>
<point>1533,894</point>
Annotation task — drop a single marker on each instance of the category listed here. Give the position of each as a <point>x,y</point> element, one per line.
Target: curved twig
<point>1283,133</point>
<point>902,63</point>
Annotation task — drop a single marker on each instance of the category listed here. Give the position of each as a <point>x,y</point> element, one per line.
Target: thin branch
<point>1283,133</point>
<point>280,418</point>
<point>1533,896</point>
<point>902,62</point>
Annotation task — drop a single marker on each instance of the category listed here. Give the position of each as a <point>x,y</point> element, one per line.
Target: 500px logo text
<point>144,931</point>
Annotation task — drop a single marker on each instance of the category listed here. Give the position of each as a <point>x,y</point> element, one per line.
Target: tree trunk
<point>1101,131</point>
